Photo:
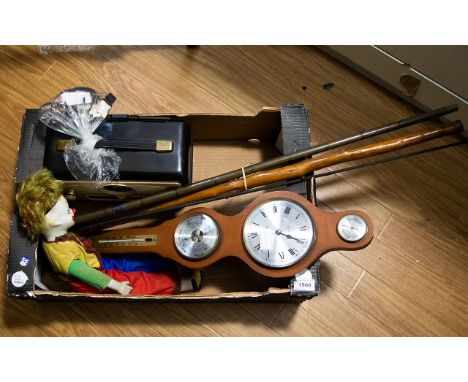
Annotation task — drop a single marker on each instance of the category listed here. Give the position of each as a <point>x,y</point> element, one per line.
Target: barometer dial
<point>196,237</point>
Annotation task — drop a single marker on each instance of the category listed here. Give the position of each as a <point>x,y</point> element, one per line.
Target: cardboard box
<point>221,143</point>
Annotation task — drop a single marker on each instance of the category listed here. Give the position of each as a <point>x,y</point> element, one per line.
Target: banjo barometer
<point>277,235</point>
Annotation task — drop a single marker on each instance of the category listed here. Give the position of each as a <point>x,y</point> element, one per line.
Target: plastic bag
<point>78,112</point>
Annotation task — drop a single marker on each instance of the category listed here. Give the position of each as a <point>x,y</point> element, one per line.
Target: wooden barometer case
<point>277,235</point>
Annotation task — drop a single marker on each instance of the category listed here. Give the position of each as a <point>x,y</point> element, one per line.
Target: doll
<point>44,210</point>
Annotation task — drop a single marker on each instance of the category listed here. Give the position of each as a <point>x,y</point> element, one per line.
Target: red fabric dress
<point>154,283</point>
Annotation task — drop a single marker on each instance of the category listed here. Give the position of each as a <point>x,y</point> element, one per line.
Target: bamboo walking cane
<point>301,169</point>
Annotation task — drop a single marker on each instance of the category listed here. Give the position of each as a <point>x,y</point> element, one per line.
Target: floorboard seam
<point>355,285</point>
<point>385,225</point>
<point>47,70</point>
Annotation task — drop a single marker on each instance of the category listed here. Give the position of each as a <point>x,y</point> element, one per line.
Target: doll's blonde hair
<point>36,195</point>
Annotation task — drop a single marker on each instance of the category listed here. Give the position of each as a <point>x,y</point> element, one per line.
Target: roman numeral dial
<point>278,233</point>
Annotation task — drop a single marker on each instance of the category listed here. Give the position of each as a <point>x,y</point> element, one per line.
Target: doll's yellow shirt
<point>62,253</point>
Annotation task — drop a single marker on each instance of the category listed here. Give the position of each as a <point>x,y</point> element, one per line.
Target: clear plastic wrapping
<point>78,112</point>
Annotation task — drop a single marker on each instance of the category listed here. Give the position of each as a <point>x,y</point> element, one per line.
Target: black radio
<point>155,151</point>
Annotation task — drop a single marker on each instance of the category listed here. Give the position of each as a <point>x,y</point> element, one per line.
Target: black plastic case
<point>136,164</point>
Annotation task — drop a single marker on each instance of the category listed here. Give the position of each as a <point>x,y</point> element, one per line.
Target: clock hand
<point>278,232</point>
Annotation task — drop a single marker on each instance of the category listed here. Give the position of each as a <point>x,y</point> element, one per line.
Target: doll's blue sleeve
<point>135,263</point>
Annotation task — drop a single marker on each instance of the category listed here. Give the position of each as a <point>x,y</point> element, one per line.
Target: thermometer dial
<point>351,228</point>
<point>278,233</point>
<point>196,237</point>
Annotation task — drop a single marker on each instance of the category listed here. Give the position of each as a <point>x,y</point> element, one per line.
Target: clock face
<point>196,237</point>
<point>278,233</point>
<point>351,228</point>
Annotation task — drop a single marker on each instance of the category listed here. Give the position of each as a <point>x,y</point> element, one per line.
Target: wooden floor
<point>411,281</point>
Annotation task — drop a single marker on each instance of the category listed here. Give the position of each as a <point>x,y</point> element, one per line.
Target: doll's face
<point>61,215</point>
